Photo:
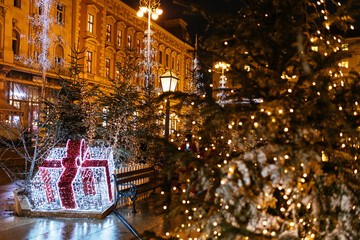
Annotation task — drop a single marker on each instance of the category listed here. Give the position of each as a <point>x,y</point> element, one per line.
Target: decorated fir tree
<point>130,116</point>
<point>119,109</point>
<point>284,164</point>
<point>72,117</point>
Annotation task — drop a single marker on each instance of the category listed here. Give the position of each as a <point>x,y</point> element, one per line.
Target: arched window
<point>59,55</point>
<point>15,42</point>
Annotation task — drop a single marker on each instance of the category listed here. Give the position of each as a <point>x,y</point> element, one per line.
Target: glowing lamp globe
<point>154,16</point>
<point>140,14</point>
<point>143,9</point>
<point>159,11</point>
<point>169,81</point>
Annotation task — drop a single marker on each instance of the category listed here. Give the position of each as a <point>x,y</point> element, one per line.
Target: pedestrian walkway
<point>7,198</point>
<point>149,217</point>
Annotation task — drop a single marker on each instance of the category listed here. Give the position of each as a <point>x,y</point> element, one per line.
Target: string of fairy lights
<point>193,227</point>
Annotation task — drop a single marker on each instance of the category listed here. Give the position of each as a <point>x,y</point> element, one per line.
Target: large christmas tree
<point>284,166</point>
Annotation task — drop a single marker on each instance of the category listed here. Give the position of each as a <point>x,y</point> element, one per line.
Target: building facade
<point>104,28</point>
<point>352,45</point>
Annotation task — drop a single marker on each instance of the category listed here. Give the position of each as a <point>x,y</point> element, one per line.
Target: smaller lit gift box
<point>74,178</point>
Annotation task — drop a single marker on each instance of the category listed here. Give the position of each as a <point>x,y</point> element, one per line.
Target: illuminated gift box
<point>74,178</point>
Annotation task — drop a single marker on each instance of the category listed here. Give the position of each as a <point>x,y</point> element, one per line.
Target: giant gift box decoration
<point>74,178</point>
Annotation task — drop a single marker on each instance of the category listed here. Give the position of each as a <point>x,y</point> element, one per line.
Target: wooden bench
<point>127,180</point>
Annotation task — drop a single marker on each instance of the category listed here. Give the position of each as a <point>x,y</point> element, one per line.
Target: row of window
<point>58,58</point>
<point>59,51</point>
<point>344,47</point>
<point>59,11</point>
<point>89,64</point>
<point>167,61</point>
<point>59,55</point>
<point>108,34</point>
<point>60,14</point>
<point>119,38</point>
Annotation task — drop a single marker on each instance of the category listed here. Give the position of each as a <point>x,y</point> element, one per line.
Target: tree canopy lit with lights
<point>285,167</point>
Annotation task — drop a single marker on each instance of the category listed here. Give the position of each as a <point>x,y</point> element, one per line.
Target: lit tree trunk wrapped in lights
<point>32,143</point>
<point>43,22</point>
<point>284,167</point>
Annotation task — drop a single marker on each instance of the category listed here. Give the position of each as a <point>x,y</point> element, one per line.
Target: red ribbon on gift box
<point>77,157</point>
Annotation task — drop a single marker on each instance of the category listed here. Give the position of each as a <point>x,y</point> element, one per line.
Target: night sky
<point>196,24</point>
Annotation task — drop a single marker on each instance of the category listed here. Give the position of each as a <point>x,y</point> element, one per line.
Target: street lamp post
<point>223,66</point>
<point>222,83</point>
<point>151,7</point>
<point>168,83</point>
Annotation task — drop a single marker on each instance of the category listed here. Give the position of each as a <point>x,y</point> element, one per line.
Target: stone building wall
<point>72,29</point>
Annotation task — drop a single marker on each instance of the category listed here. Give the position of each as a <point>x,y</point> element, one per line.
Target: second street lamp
<point>222,83</point>
<point>168,83</point>
<point>152,8</point>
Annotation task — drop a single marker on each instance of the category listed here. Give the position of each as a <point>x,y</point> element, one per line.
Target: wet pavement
<point>149,217</point>
<point>7,198</point>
